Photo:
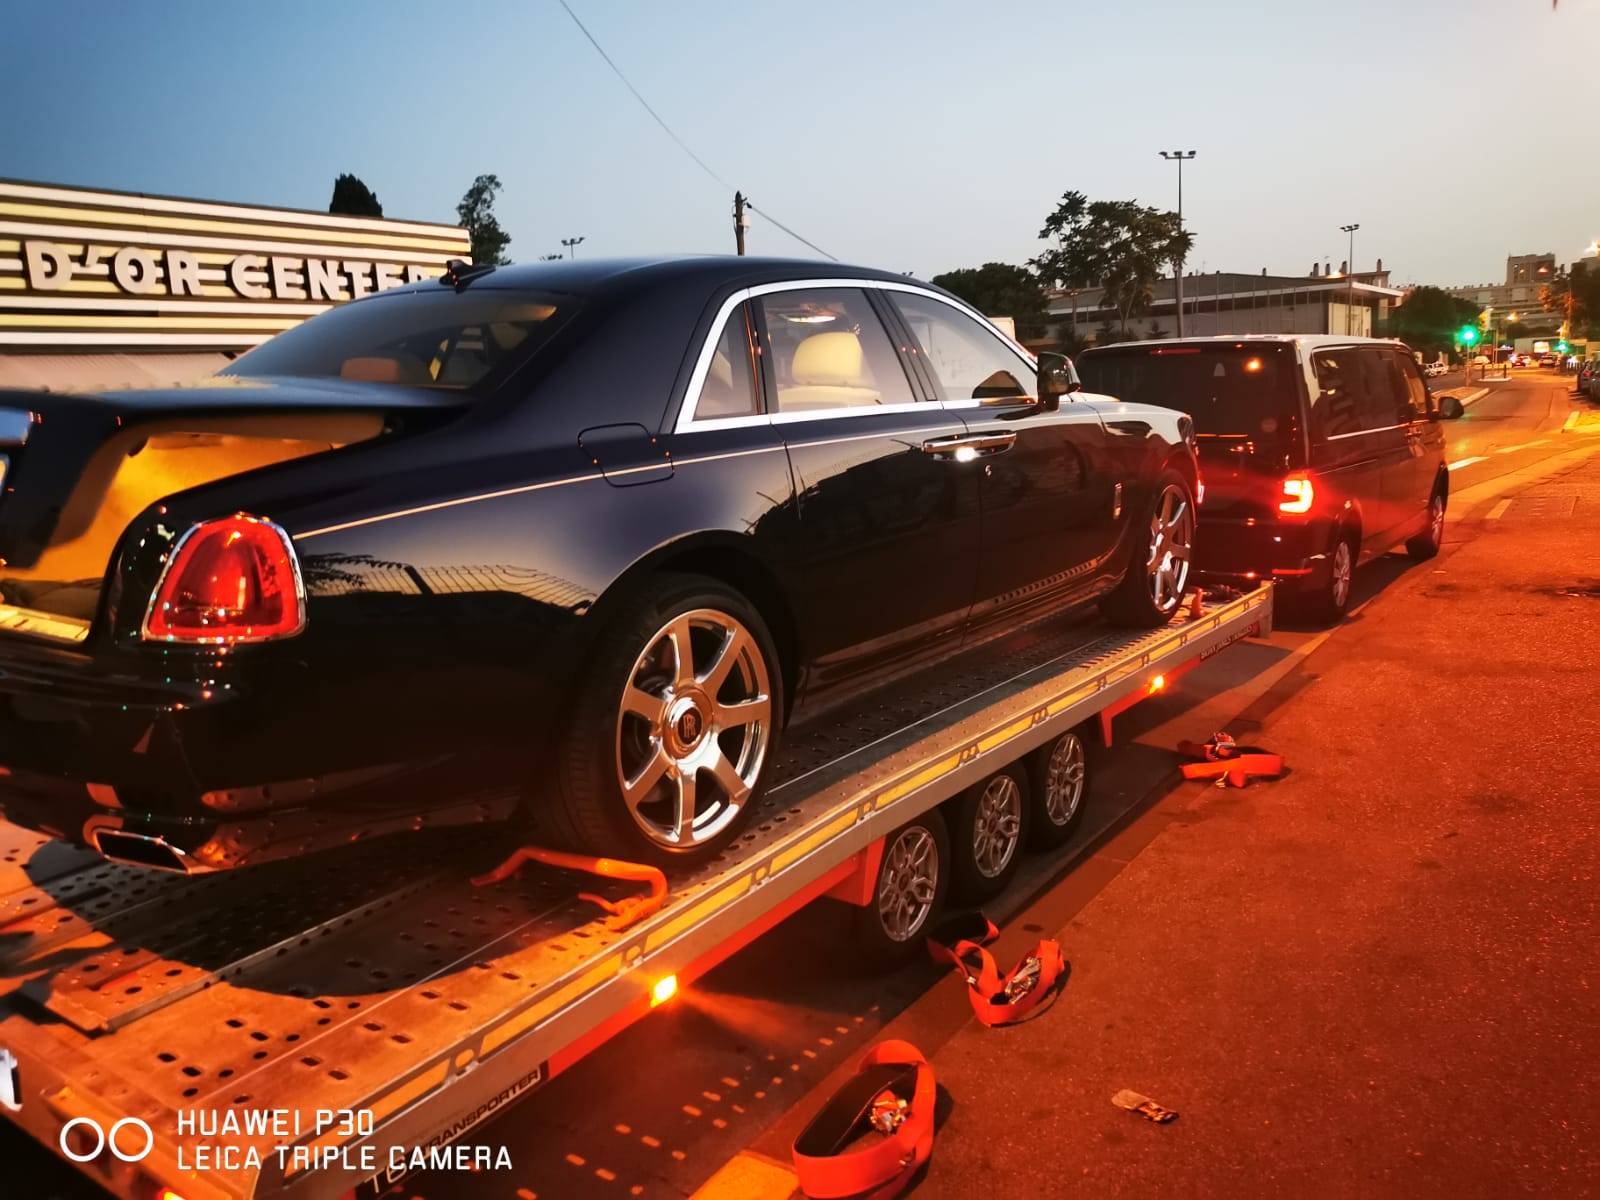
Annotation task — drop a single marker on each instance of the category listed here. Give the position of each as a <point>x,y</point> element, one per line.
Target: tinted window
<point>1416,389</point>
<point>1342,390</point>
<point>436,338</point>
<point>1235,392</point>
<point>830,351</point>
<point>1386,399</point>
<point>729,389</point>
<point>968,361</point>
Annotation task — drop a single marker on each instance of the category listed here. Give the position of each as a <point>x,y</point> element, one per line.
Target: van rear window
<point>1231,391</point>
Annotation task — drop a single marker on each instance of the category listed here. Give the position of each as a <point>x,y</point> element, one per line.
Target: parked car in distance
<point>577,539</point>
<point>1317,452</point>
<point>1549,360</point>
<point>1589,378</point>
<point>1436,368</point>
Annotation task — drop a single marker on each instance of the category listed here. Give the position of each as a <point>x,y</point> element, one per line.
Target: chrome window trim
<point>686,422</point>
<point>1339,437</point>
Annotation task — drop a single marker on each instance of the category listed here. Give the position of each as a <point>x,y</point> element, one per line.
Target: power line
<point>682,145</point>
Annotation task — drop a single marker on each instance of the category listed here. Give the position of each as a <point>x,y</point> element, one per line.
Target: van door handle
<point>964,447</point>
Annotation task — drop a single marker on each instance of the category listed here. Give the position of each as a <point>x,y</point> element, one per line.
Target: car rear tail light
<point>1297,495</point>
<point>228,581</point>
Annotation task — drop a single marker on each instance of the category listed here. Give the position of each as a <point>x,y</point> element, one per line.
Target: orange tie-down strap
<point>624,912</point>
<point>996,999</point>
<point>1229,763</point>
<point>892,1096</point>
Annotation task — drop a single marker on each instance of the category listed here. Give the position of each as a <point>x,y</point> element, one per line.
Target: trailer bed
<point>377,987</point>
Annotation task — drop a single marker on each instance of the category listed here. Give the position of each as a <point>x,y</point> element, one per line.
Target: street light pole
<point>1180,156</point>
<point>1350,278</point>
<point>571,244</point>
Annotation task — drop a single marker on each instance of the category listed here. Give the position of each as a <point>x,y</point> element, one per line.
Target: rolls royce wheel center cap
<point>686,725</point>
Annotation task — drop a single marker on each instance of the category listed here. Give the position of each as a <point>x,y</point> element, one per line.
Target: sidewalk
<point>1379,976</point>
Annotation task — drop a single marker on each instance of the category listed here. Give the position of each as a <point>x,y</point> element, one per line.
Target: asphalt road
<point>1364,980</point>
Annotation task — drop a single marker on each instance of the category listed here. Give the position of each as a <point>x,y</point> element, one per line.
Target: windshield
<point>435,339</point>
<point>1233,391</point>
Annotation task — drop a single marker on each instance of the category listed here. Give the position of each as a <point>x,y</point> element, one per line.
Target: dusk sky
<point>917,137</point>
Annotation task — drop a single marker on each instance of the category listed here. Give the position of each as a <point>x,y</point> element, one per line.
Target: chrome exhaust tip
<point>135,849</point>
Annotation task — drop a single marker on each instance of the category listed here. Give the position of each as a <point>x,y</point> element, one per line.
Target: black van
<point>1316,452</point>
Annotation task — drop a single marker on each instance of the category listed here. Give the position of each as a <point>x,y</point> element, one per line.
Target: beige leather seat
<point>829,371</point>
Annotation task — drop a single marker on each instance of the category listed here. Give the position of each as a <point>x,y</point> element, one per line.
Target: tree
<point>1001,290</point>
<point>1120,245</point>
<point>1428,318</point>
<point>353,198</point>
<point>476,211</point>
<point>1575,294</point>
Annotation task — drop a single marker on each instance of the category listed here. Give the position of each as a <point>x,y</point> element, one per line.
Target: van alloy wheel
<point>693,726</point>
<point>1171,543</point>
<point>1339,572</point>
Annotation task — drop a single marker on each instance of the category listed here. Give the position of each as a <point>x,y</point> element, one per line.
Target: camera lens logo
<point>119,1139</point>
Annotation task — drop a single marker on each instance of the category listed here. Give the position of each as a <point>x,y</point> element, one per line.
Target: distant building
<point>1225,302</point>
<point>1526,275</point>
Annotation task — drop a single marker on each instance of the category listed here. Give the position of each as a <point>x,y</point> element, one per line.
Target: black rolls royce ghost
<point>575,541</point>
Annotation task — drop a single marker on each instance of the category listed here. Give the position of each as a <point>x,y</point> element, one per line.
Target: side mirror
<point>1450,408</point>
<point>1057,378</point>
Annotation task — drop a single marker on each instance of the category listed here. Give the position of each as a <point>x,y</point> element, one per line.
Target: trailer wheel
<point>908,894</point>
<point>989,827</point>
<point>1060,771</point>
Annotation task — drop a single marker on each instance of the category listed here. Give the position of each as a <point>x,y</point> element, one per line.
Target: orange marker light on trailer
<point>665,989</point>
<point>1158,684</point>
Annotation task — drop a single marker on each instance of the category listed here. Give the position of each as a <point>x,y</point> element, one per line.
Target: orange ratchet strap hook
<point>996,999</point>
<point>892,1094</point>
<point>1229,763</point>
<point>624,912</point>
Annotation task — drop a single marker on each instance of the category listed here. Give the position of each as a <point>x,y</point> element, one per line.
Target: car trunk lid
<point>77,469</point>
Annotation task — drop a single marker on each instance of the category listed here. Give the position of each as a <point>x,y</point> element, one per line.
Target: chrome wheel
<point>908,883</point>
<point>1339,575</point>
<point>1436,520</point>
<point>997,826</point>
<point>1171,541</point>
<point>1064,776</point>
<point>693,726</point>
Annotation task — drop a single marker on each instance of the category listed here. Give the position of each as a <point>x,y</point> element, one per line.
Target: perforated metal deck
<point>378,978</point>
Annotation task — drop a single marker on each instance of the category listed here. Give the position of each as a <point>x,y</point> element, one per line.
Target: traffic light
<point>1562,347</point>
<point>1468,335</point>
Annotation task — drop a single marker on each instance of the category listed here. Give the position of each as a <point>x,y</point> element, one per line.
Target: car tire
<point>641,718</point>
<point>1156,553</point>
<point>1426,544</point>
<point>1059,776</point>
<point>1329,603</point>
<point>988,830</point>
<point>908,894</point>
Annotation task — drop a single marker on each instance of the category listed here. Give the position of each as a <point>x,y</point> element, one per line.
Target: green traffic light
<point>1469,335</point>
<point>1562,347</point>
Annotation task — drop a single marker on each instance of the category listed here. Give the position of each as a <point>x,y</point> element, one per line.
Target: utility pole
<point>740,221</point>
<point>1180,156</point>
<point>571,244</point>
<point>1350,278</point>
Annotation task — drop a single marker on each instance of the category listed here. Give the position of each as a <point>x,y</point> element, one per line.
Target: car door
<point>883,559</point>
<point>1049,512</point>
<point>1408,486</point>
<point>1348,452</point>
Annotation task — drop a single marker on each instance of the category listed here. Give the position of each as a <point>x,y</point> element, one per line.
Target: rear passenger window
<point>830,351</point>
<point>729,389</point>
<point>1340,388</point>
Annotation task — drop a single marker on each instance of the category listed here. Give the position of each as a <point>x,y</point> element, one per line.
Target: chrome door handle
<point>964,447</point>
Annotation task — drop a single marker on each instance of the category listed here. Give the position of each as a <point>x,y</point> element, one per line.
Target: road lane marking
<point>1466,462</point>
<point>1468,401</point>
<point>1498,511</point>
<point>1523,446</point>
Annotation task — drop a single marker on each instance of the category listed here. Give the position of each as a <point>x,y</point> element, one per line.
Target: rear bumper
<point>1246,549</point>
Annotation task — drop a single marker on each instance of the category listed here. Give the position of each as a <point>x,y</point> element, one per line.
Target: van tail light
<point>228,581</point>
<point>1297,495</point>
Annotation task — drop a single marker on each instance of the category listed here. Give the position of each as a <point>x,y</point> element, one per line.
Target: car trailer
<point>281,1030</point>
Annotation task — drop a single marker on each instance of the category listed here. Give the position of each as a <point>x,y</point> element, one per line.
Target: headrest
<point>829,360</point>
<point>375,369</point>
